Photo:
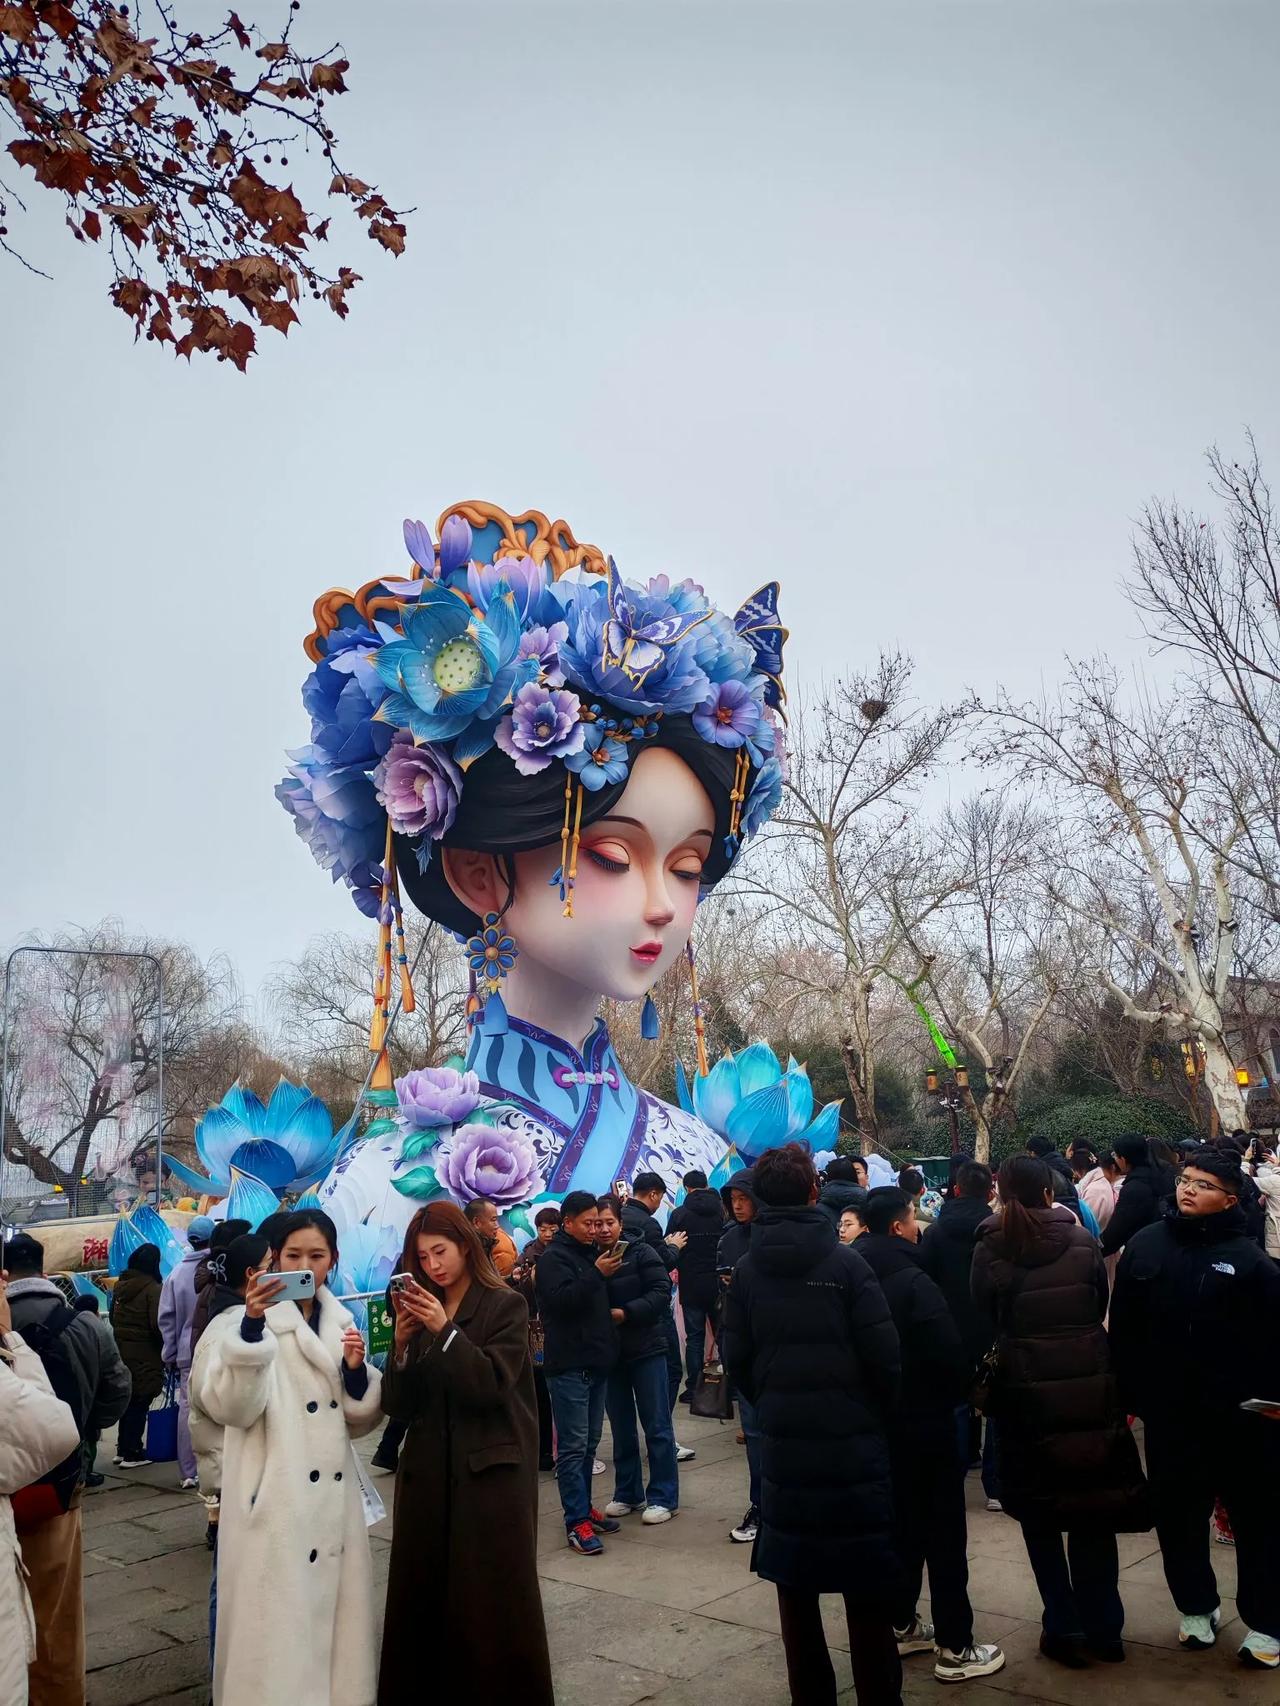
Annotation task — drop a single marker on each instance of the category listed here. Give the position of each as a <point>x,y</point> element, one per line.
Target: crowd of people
<point>880,1339</point>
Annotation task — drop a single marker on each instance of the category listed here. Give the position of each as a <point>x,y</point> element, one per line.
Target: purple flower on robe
<point>730,716</point>
<point>479,1161</point>
<point>436,1096</point>
<point>419,787</point>
<point>544,724</point>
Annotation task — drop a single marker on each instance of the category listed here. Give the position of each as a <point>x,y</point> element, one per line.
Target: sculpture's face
<point>636,889</point>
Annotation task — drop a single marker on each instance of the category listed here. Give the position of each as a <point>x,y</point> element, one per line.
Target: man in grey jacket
<point>86,1372</point>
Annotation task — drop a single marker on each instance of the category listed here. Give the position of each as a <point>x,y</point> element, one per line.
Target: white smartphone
<point>400,1282</point>
<point>299,1285</point>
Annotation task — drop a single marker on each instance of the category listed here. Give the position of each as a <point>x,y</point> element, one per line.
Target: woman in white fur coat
<point>289,1385</point>
<point>37,1431</point>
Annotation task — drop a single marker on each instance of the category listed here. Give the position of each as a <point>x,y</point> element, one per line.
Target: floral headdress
<point>508,634</point>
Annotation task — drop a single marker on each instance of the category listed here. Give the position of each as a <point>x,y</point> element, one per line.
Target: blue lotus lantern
<point>755,1103</point>
<point>253,1153</point>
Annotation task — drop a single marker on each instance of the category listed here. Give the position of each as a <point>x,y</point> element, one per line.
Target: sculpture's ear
<point>475,879</point>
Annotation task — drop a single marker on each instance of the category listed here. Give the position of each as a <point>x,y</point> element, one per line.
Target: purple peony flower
<point>674,684</point>
<point>419,787</point>
<point>730,716</point>
<point>544,645</point>
<point>526,580</point>
<point>544,724</point>
<point>478,1161</point>
<point>436,1096</point>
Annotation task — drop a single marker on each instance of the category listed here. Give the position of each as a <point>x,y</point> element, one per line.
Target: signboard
<point>382,1326</point>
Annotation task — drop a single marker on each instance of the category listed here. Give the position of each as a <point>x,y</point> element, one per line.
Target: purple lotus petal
<point>525,579</point>
<point>479,1161</point>
<point>455,545</point>
<point>417,539</point>
<point>436,1096</point>
<point>544,645</point>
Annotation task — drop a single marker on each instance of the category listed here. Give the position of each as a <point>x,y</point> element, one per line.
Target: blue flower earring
<point>491,953</point>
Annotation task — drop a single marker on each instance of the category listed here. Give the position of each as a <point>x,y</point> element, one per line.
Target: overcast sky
<point>910,306</point>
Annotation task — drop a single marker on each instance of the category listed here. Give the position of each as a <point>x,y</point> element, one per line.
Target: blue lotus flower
<point>283,1146</point>
<point>335,810</point>
<point>674,684</point>
<point>755,1104</point>
<point>454,670</point>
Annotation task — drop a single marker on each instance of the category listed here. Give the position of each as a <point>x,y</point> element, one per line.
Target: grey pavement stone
<point>149,1677</point>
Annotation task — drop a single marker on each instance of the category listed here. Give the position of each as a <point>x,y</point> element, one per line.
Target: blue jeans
<point>695,1340</point>
<point>642,1386</point>
<point>675,1368</point>
<point>990,1449</point>
<point>577,1404</point>
<point>1078,1581</point>
<point>751,1427</point>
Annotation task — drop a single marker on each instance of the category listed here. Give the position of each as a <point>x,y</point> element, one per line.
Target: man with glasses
<point>1195,1331</point>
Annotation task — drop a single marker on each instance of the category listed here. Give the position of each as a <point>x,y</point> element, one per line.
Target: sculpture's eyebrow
<point>617,817</point>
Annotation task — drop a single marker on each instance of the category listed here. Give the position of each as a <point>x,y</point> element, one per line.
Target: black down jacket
<point>947,1254</point>
<point>1141,1203</point>
<point>1067,1457</point>
<point>1195,1320</point>
<point>701,1215</point>
<point>573,1302</point>
<point>735,1240</point>
<point>641,1288</point>
<point>935,1368</point>
<point>808,1338</point>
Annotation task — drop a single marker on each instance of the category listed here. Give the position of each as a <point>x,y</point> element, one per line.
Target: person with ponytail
<point>1068,1462</point>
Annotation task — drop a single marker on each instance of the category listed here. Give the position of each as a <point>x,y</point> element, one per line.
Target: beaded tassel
<point>571,873</point>
<point>699,1022</point>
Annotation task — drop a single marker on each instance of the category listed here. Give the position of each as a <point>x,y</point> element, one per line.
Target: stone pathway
<point>670,1615</point>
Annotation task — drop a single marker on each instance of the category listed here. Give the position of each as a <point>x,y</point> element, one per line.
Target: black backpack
<point>46,1339</point>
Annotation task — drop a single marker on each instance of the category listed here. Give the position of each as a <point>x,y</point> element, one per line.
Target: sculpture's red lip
<point>647,952</point>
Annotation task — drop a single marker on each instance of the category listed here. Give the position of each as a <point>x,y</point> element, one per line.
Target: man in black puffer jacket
<point>1143,1194</point>
<point>1195,1330</point>
<point>581,1346</point>
<point>740,1203</point>
<point>844,1185</point>
<point>947,1253</point>
<point>639,1222</point>
<point>639,1298</point>
<point>928,1474</point>
<point>808,1337</point>
<point>701,1218</point>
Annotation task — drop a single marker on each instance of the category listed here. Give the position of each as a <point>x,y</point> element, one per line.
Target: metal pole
<point>90,954</point>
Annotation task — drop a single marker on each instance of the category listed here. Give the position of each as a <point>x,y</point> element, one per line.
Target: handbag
<point>162,1422</point>
<point>985,1392</point>
<point>712,1394</point>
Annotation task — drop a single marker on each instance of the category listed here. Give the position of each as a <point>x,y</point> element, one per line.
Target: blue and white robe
<point>588,1125</point>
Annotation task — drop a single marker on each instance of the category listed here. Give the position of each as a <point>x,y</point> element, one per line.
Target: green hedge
<point>1099,1120</point>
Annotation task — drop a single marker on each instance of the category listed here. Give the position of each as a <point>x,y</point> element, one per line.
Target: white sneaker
<point>1260,1652</point>
<point>615,1507</point>
<point>994,1505</point>
<point>973,1661</point>
<point>188,1484</point>
<point>135,1462</point>
<point>1199,1633</point>
<point>748,1528</point>
<point>598,1466</point>
<point>917,1637</point>
<point>657,1513</point>
<point>684,1453</point>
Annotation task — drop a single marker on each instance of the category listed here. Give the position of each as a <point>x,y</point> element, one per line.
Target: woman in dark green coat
<point>135,1320</point>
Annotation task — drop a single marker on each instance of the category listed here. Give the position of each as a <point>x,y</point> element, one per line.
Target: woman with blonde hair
<point>466,1512</point>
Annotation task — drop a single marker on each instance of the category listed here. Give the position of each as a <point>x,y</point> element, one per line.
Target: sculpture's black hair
<point>503,812</point>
